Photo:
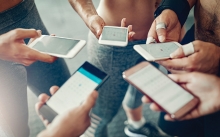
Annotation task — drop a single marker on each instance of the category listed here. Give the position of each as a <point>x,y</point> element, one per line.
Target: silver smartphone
<point>115,36</point>
<point>171,97</point>
<point>58,46</point>
<point>157,51</point>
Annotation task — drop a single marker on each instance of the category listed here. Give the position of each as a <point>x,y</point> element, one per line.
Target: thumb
<point>90,101</point>
<point>98,28</point>
<point>180,78</point>
<point>179,53</point>
<point>25,33</point>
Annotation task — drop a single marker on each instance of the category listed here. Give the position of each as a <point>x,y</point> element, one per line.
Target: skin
<point>206,58</point>
<point>77,118</point>
<point>138,13</point>
<point>108,14</point>
<point>13,47</point>
<point>7,4</point>
<point>206,87</point>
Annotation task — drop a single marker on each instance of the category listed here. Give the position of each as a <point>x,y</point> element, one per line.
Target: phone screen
<point>114,34</point>
<point>77,88</point>
<point>161,89</point>
<point>55,45</point>
<point>160,50</point>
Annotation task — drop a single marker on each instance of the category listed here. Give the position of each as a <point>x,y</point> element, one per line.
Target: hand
<point>13,47</point>
<point>96,24</point>
<point>172,31</point>
<point>205,87</point>
<point>205,59</point>
<point>130,32</point>
<point>71,123</point>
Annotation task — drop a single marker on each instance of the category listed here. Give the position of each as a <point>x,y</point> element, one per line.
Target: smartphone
<point>171,97</point>
<point>115,36</point>
<point>156,51</point>
<point>58,46</point>
<point>74,91</point>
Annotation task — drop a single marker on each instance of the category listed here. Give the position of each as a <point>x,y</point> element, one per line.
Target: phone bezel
<point>178,114</point>
<point>93,70</point>
<point>147,55</point>
<point>72,53</point>
<point>114,43</point>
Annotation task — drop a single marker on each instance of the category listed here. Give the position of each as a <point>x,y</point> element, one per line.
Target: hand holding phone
<point>115,36</point>
<point>157,51</point>
<point>58,46</point>
<point>74,91</point>
<point>172,98</point>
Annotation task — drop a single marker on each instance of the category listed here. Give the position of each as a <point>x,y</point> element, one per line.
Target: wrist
<point>180,7</point>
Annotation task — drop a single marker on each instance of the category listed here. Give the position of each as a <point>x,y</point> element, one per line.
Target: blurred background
<point>60,19</point>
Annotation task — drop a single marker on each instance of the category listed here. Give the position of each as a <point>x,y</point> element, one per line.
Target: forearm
<point>84,8</point>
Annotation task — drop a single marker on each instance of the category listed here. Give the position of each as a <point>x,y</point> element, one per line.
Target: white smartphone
<point>58,46</point>
<point>74,91</point>
<point>171,97</point>
<point>115,36</point>
<point>156,51</point>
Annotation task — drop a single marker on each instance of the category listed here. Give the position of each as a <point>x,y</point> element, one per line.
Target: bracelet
<point>180,7</point>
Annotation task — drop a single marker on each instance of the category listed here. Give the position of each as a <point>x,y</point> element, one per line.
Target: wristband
<point>188,49</point>
<point>180,7</point>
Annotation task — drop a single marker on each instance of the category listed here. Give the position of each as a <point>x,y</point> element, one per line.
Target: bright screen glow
<point>161,89</point>
<point>55,45</point>
<point>74,91</point>
<point>114,34</point>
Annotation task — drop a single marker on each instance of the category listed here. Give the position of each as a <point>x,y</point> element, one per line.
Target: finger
<point>97,28</point>
<point>89,102</point>
<point>35,55</point>
<point>168,118</point>
<point>161,33</point>
<point>38,105</point>
<point>180,78</point>
<point>53,90</point>
<point>146,99</point>
<point>193,114</point>
<point>155,107</point>
<point>46,122</point>
<point>131,35</point>
<point>28,62</point>
<point>43,97</point>
<point>173,71</point>
<point>178,53</point>
<point>25,33</point>
<point>152,34</point>
<point>123,22</point>
<point>130,28</point>
<point>176,64</point>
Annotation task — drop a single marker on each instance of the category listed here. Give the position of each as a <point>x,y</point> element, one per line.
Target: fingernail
<point>39,32</point>
<point>161,38</point>
<point>98,31</point>
<point>174,54</point>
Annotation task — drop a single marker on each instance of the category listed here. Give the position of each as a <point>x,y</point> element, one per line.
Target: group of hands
<point>205,59</point>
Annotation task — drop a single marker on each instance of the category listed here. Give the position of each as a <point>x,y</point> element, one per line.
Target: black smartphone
<point>74,91</point>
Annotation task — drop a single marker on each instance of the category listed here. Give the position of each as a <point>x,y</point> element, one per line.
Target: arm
<point>169,12</point>
<point>87,12</point>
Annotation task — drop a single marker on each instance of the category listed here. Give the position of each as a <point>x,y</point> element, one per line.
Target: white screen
<point>114,34</point>
<point>55,45</point>
<point>161,89</point>
<point>74,91</point>
<point>160,50</point>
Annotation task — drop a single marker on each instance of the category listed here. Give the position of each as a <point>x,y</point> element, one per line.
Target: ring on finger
<point>161,25</point>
